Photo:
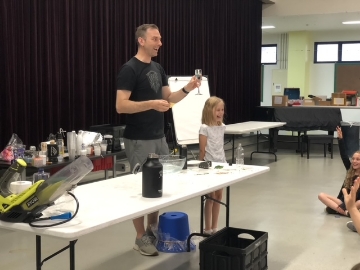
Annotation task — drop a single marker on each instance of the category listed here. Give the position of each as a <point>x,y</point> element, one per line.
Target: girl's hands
<point>339,132</point>
<point>350,198</point>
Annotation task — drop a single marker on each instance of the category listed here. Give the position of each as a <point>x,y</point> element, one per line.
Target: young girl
<point>336,204</point>
<point>211,144</point>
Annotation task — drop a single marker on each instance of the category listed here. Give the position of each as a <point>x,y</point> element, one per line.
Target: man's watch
<point>186,92</point>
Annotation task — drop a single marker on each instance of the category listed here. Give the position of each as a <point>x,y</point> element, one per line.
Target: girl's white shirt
<point>214,149</point>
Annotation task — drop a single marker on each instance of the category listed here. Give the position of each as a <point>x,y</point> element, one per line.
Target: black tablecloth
<point>301,118</point>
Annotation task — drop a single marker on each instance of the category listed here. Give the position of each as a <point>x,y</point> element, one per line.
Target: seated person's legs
<point>332,202</point>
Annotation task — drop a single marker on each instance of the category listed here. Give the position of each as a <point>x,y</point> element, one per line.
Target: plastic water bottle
<point>240,156</point>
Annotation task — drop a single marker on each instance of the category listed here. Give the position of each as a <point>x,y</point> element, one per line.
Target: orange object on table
<point>349,92</point>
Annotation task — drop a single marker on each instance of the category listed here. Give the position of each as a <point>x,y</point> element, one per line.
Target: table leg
<point>299,143</point>
<point>257,147</point>
<point>330,145</point>
<point>72,254</point>
<point>233,149</point>
<point>38,252</point>
<point>71,248</point>
<point>273,138</point>
<point>114,166</point>
<point>227,206</point>
<point>202,199</point>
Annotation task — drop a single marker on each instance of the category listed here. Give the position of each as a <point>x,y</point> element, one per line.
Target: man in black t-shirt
<point>143,94</point>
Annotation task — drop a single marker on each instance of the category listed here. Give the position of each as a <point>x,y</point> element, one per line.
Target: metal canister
<point>183,153</point>
<point>152,177</point>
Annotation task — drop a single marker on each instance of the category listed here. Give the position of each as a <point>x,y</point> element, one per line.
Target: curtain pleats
<point>59,59</point>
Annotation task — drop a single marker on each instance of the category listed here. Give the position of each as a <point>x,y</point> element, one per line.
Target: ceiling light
<point>267,27</point>
<point>351,22</point>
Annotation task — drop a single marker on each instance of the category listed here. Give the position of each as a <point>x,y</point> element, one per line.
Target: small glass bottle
<point>240,156</point>
<point>60,144</point>
<point>40,175</point>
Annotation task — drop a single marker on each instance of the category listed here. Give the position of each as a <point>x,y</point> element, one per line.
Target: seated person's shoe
<point>351,226</point>
<point>145,246</point>
<point>330,211</point>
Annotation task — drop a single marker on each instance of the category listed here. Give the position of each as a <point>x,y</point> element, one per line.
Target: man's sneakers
<point>351,226</point>
<point>151,235</point>
<point>146,246</point>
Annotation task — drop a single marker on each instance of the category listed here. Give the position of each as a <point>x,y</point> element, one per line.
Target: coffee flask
<point>152,177</point>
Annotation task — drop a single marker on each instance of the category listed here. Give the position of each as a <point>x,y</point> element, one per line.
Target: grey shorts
<point>138,150</point>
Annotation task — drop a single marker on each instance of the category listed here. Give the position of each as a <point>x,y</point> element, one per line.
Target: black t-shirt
<point>145,81</point>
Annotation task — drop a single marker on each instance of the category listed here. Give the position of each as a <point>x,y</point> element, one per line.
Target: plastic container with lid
<point>40,175</point>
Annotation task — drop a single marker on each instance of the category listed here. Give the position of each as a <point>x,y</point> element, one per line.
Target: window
<point>269,54</point>
<point>350,52</point>
<point>327,53</point>
<point>331,52</point>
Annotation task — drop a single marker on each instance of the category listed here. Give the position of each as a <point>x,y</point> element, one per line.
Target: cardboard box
<point>316,100</point>
<point>279,100</point>
<point>338,99</point>
<point>308,102</point>
<point>358,101</point>
<point>323,103</point>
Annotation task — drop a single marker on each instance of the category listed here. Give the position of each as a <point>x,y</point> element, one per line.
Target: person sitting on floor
<point>336,205</point>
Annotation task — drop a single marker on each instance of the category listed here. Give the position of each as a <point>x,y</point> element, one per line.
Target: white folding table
<point>108,202</point>
<point>251,126</point>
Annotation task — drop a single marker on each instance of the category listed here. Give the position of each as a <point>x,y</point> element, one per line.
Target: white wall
<point>267,76</point>
<point>322,75</point>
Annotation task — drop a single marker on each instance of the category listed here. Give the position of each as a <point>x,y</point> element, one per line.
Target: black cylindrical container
<point>183,153</point>
<point>152,177</point>
<point>52,152</point>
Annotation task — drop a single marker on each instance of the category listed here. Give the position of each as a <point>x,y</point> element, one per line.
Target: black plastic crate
<point>229,250</point>
<point>116,131</point>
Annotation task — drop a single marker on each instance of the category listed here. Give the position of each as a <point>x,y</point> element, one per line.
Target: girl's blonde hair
<point>208,111</point>
<point>350,175</point>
